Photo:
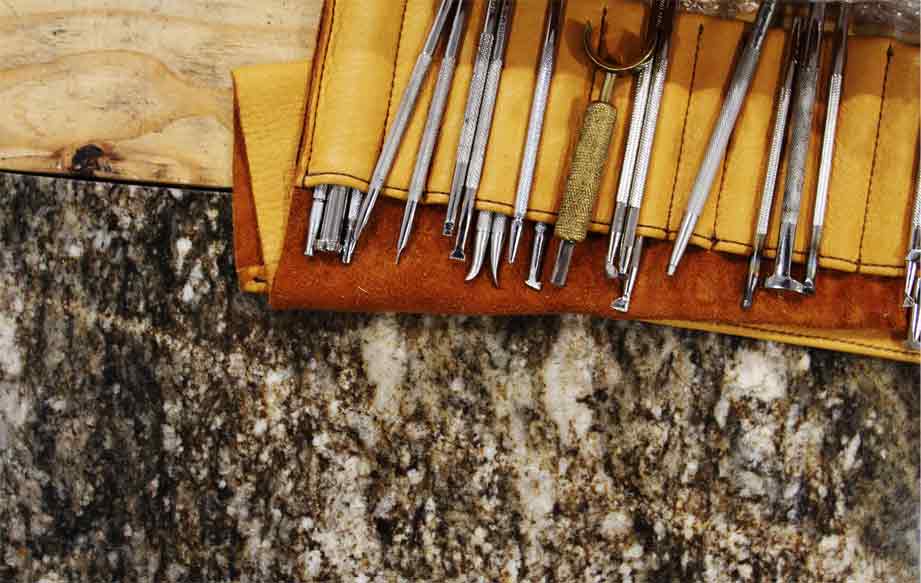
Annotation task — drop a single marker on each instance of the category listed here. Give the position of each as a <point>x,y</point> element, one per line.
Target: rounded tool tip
<point>672,268</point>
<point>610,271</point>
<point>809,287</point>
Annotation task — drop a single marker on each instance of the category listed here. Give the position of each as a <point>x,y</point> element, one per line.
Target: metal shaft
<point>481,243</point>
<point>432,126</point>
<point>471,114</point>
<point>719,139</point>
<point>398,127</point>
<point>913,256</point>
<point>637,114</point>
<point>538,247</point>
<point>801,119</point>
<point>483,129</point>
<point>835,83</point>
<point>773,163</point>
<point>535,125</point>
<point>316,219</point>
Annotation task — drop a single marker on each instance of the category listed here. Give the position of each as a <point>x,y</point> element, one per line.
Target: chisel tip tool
<point>537,256</point>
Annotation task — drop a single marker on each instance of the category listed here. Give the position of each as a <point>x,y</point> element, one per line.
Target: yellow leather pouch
<point>303,124</point>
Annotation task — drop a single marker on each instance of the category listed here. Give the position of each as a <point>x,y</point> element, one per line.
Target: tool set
<point>339,215</point>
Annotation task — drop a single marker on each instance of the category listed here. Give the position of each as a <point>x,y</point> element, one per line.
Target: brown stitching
<point>396,60</point>
<point>313,129</point>
<point>879,125</point>
<point>719,193</point>
<point>684,124</point>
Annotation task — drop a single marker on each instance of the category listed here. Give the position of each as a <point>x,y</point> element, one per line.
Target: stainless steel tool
<point>778,135</point>
<point>471,114</point>
<point>481,242</point>
<point>330,239</point>
<point>719,139</point>
<point>316,219</point>
<point>640,99</point>
<point>913,256</point>
<point>398,127</point>
<point>538,247</point>
<point>496,239</point>
<point>535,123</point>
<point>483,129</point>
<point>622,304</point>
<point>664,16</point>
<point>432,126</point>
<point>589,158</point>
<point>351,218</point>
<point>801,118</point>
<point>835,83</point>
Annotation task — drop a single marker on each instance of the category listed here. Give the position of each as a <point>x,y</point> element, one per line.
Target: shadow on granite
<point>158,425</point>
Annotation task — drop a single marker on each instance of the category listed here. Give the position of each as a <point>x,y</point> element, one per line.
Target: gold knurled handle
<point>585,172</point>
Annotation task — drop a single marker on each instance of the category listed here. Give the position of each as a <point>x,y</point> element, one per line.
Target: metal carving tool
<point>535,124</point>
<point>331,229</point>
<point>316,219</point>
<point>483,225</point>
<point>589,159</point>
<point>538,246</point>
<point>398,127</point>
<point>640,99</point>
<point>828,145</point>
<point>913,257</point>
<point>773,163</point>
<point>351,218</point>
<point>432,126</point>
<point>664,17</point>
<point>496,238</point>
<point>801,118</point>
<point>914,318</point>
<point>719,139</point>
<point>622,304</point>
<point>471,114</point>
<point>483,129</point>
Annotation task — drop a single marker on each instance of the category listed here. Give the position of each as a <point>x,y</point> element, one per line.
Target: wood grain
<point>135,89</point>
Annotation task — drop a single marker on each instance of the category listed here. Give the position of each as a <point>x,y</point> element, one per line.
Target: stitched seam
<point>879,125</point>
<point>393,78</point>
<point>719,193</point>
<point>313,128</point>
<point>684,124</point>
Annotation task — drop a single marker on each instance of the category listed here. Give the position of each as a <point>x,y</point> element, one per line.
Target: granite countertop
<point>156,424</point>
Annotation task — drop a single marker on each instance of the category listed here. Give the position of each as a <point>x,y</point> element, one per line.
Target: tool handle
<point>538,111</point>
<point>779,131</point>
<point>831,117</point>
<point>437,108</point>
<point>490,95</point>
<point>801,121</point>
<point>738,88</point>
<point>474,100</point>
<point>585,171</point>
<point>638,113</point>
<point>647,136</point>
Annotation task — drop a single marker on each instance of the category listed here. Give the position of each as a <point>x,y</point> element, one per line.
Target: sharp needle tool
<point>398,127</point>
<point>481,135</point>
<point>432,126</point>
<point>471,114</point>
<point>719,139</point>
<point>535,124</point>
<point>781,115</point>
<point>828,145</point>
<point>800,133</point>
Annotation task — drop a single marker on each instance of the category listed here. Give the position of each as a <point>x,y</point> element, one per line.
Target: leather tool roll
<point>303,124</point>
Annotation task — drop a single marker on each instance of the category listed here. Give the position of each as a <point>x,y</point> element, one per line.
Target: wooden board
<point>135,89</point>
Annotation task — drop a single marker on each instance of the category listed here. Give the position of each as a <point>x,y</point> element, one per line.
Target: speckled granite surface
<point>158,425</point>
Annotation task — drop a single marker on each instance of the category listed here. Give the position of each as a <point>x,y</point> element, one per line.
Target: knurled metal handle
<point>585,172</point>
